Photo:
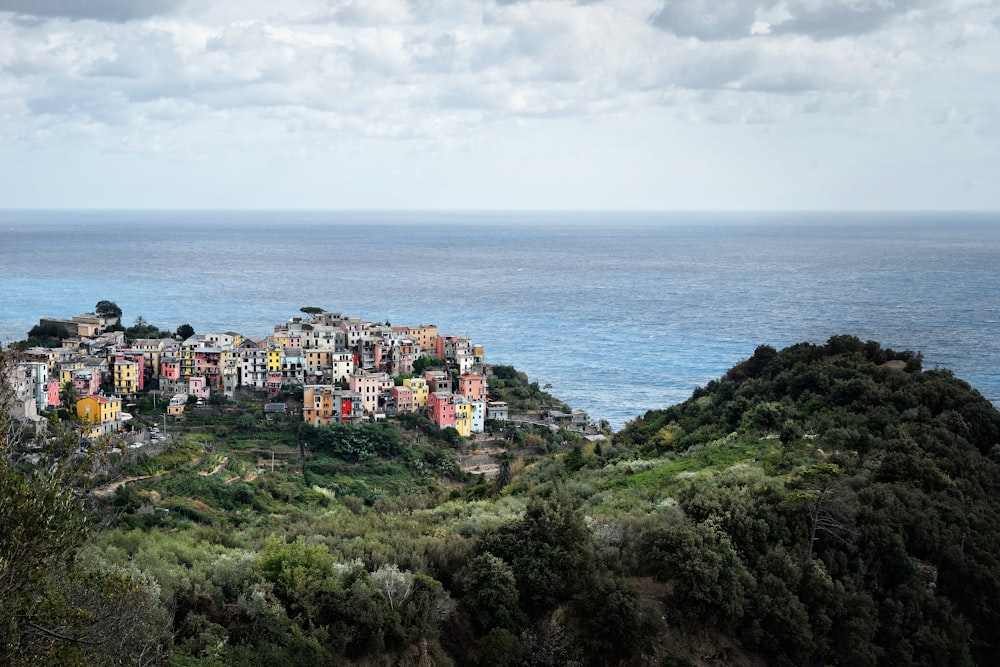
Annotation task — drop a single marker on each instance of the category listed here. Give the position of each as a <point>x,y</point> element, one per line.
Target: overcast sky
<point>614,104</point>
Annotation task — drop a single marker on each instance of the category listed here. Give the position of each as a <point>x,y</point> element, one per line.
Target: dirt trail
<point>108,489</point>
<point>206,473</point>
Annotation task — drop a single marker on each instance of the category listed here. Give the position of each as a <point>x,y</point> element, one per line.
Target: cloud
<point>825,20</point>
<point>114,11</point>
<point>373,12</point>
<point>451,70</point>
<point>820,19</point>
<point>706,19</point>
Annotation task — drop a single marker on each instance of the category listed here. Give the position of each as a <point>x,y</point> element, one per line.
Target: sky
<point>500,104</point>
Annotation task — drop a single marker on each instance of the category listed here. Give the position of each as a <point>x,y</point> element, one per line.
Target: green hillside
<point>820,505</point>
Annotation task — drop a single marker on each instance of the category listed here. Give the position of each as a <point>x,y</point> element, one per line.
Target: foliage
<point>107,310</point>
<point>490,593</point>
<point>424,362</point>
<point>54,609</point>
<point>865,551</point>
<point>48,334</point>
<point>143,329</point>
<point>44,524</point>
<point>360,442</point>
<point>509,385</point>
<point>815,505</point>
<point>549,551</point>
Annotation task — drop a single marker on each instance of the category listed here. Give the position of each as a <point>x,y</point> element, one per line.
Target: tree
<point>54,610</point>
<point>218,400</point>
<point>709,579</point>
<point>68,394</point>
<point>312,311</point>
<point>185,331</point>
<point>491,596</point>
<point>499,648</point>
<point>47,335</point>
<point>425,362</point>
<point>108,310</point>
<point>574,459</point>
<point>610,621</point>
<point>820,492</point>
<point>549,550</point>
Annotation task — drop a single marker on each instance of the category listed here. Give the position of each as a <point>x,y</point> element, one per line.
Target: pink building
<point>441,409</point>
<point>370,386</point>
<point>472,386</point>
<point>198,386</point>
<point>403,398</point>
<point>52,393</point>
<point>206,363</point>
<point>87,381</point>
<point>170,368</point>
<point>274,381</point>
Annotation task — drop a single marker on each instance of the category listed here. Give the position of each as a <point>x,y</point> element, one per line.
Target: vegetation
<point>184,332</point>
<point>108,310</point>
<point>49,334</point>
<point>821,505</point>
<point>507,384</point>
<point>143,329</point>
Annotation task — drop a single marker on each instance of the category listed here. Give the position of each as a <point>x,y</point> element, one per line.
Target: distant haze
<point>537,104</point>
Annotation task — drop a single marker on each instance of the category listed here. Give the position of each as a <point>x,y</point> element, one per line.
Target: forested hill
<point>874,535</point>
<point>825,505</point>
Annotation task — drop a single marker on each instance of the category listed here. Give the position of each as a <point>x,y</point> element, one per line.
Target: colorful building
<point>87,381</point>
<point>472,386</point>
<point>274,354</point>
<point>100,414</point>
<point>127,376</point>
<point>441,409</point>
<point>170,368</point>
<point>324,404</point>
<point>402,398</point>
<point>463,415</point>
<point>425,336</point>
<point>418,387</point>
<point>370,386</point>
<point>437,380</point>
<point>176,406</point>
<point>478,416</point>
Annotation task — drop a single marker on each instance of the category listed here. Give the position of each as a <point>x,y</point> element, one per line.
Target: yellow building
<point>186,355</point>
<point>463,417</point>
<point>425,336</point>
<point>318,406</point>
<point>101,414</point>
<point>126,377</point>
<point>274,354</point>
<point>66,371</point>
<point>419,388</point>
<point>229,367</point>
<point>282,337</point>
<point>176,406</point>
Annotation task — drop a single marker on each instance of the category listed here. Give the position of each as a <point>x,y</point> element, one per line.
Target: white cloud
<point>208,81</point>
<point>98,10</point>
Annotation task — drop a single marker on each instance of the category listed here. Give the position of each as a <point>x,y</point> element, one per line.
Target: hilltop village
<point>349,370</point>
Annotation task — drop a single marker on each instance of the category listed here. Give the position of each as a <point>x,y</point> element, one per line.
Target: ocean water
<point>619,312</point>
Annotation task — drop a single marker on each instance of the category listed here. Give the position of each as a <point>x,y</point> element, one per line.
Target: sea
<point>615,313</point>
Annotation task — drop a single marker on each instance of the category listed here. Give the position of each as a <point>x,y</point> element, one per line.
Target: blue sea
<point>619,312</point>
